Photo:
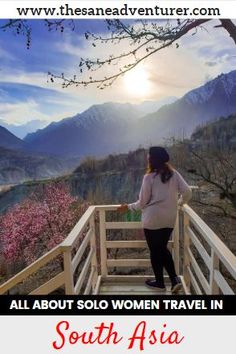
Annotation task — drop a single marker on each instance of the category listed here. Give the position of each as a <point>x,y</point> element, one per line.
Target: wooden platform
<point>89,269</point>
<point>131,287</point>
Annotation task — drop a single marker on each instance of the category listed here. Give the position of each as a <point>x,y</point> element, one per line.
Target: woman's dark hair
<point>158,162</point>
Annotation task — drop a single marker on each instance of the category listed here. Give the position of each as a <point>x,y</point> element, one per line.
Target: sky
<point>26,93</point>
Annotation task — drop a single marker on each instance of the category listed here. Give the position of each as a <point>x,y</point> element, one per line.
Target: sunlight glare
<point>136,82</point>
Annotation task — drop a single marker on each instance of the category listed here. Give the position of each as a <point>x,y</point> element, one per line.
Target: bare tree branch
<point>144,38</point>
<point>217,206</point>
<point>229,26</point>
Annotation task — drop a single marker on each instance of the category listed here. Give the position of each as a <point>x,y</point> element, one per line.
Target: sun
<point>137,83</point>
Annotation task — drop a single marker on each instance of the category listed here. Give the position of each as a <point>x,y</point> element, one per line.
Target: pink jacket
<point>159,201</point>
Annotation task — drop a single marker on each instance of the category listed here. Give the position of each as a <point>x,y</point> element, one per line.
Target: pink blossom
<point>38,223</point>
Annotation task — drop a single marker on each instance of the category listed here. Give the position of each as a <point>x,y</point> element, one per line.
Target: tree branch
<point>230,27</point>
<point>217,206</point>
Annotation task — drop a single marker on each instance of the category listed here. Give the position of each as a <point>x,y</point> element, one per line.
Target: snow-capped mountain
<point>205,92</point>
<point>107,113</point>
<point>92,132</point>
<point>215,99</point>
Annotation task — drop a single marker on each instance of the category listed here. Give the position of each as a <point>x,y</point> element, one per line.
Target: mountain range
<point>98,130</point>
<point>114,127</point>
<point>215,99</point>
<point>115,178</point>
<point>18,164</point>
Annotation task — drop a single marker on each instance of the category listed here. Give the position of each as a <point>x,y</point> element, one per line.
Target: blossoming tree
<point>37,224</point>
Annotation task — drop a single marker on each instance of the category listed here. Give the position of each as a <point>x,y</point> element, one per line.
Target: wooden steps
<point>134,288</point>
<point>122,288</point>
<point>133,285</point>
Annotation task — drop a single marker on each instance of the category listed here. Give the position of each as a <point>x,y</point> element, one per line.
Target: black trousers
<point>161,257</point>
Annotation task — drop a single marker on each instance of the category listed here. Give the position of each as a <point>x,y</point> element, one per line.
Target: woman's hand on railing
<point>123,208</point>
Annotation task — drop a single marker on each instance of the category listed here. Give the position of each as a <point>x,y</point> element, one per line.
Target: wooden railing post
<point>215,264</point>
<point>176,243</point>
<point>186,264</point>
<point>93,245</point>
<point>103,249</point>
<point>68,273</point>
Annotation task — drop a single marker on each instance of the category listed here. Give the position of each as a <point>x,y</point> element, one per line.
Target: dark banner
<point>118,305</point>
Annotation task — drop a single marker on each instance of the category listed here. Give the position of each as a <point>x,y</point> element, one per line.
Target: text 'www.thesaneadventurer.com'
<point>124,11</point>
<point>117,9</point>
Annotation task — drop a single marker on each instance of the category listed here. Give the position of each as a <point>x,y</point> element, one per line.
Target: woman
<point>158,200</point>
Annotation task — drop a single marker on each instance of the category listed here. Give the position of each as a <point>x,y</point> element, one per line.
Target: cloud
<point>171,72</point>
<point>22,112</point>
<point>211,63</point>
<point>213,46</point>
<point>18,113</point>
<point>21,103</point>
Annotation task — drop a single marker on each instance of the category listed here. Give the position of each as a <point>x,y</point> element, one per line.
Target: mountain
<point>113,127</point>
<point>148,107</point>
<point>22,130</point>
<point>98,130</point>
<point>19,166</point>
<point>115,178</point>
<point>214,99</point>
<point>9,140</point>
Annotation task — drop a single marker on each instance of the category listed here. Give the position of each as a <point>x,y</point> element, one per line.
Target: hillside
<point>10,141</point>
<point>112,180</point>
<point>220,134</point>
<point>18,166</point>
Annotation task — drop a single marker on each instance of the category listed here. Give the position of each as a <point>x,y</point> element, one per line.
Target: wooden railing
<point>72,257</point>
<point>84,255</point>
<point>105,245</point>
<point>197,233</point>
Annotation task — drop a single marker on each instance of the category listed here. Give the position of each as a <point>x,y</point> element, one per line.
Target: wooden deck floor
<point>133,287</point>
